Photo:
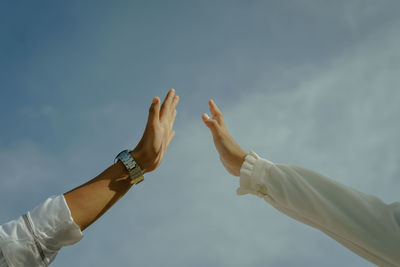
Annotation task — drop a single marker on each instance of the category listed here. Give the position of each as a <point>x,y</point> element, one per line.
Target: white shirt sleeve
<point>35,238</point>
<point>362,223</point>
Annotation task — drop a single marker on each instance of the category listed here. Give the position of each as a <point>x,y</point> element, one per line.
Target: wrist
<point>242,160</point>
<point>238,160</point>
<point>140,159</point>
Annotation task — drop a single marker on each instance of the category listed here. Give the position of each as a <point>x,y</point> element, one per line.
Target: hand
<point>158,133</point>
<point>231,154</point>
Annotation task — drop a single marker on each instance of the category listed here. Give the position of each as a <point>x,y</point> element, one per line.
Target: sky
<point>310,83</point>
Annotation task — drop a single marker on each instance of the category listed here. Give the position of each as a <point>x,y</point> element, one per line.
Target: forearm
<point>35,238</point>
<point>361,222</point>
<point>92,199</point>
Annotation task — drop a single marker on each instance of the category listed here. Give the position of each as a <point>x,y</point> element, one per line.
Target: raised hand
<point>158,133</point>
<point>230,153</point>
<point>92,199</point>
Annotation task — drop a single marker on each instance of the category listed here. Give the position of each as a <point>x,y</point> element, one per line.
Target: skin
<point>231,154</point>
<point>91,200</point>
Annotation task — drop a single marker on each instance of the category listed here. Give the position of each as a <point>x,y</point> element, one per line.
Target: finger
<point>212,124</point>
<point>154,111</point>
<point>215,111</point>
<point>175,101</point>
<point>173,118</point>
<point>166,105</point>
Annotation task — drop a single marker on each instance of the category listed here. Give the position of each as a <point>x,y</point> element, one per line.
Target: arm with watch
<point>35,238</point>
<point>89,201</point>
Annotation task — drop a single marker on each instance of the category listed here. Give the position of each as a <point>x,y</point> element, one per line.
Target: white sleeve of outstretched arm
<point>363,223</point>
<point>35,238</point>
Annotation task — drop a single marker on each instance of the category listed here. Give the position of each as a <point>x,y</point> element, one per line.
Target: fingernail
<point>154,100</point>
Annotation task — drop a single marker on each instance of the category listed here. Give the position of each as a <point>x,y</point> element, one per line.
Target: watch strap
<point>130,164</point>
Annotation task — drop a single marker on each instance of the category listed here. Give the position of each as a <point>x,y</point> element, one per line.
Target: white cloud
<point>28,175</point>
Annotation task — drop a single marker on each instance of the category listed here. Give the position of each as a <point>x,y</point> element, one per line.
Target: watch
<point>133,168</point>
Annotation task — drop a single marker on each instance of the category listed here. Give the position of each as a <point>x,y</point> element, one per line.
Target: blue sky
<point>311,83</point>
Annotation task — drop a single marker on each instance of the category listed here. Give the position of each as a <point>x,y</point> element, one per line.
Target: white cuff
<point>35,238</point>
<point>54,225</point>
<point>250,171</point>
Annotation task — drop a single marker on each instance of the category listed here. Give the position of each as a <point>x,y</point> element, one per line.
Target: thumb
<point>211,124</point>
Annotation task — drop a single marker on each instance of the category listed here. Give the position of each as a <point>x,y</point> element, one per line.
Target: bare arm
<point>92,199</point>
